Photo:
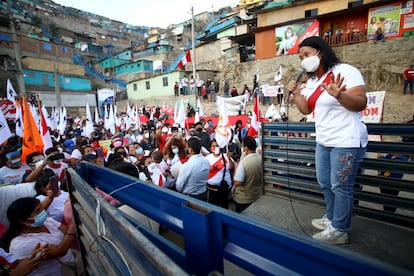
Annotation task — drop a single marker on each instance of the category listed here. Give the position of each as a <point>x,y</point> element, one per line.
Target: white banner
<point>232,104</point>
<point>270,90</point>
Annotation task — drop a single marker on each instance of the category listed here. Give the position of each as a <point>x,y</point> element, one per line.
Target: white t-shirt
<point>13,176</point>
<point>335,125</point>
<point>215,177</point>
<point>59,171</point>
<point>22,246</point>
<point>57,206</point>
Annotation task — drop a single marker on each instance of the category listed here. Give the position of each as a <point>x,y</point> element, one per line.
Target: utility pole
<point>193,52</point>
<point>17,52</point>
<point>57,87</point>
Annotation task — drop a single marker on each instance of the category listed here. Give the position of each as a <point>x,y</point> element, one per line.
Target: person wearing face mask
<point>14,170</point>
<point>335,92</point>
<point>54,204</point>
<point>203,135</point>
<point>219,178</point>
<point>37,162</point>
<point>56,163</point>
<point>116,142</point>
<point>288,41</point>
<point>29,227</point>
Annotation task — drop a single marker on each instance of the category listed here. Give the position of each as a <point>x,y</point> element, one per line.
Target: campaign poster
<point>387,18</point>
<point>290,36</point>
<point>375,106</point>
<point>105,98</point>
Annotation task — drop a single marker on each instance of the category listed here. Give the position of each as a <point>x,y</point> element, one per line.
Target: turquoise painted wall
<point>134,67</point>
<point>41,78</point>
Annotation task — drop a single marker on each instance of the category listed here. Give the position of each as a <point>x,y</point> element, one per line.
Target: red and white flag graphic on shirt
<point>186,59</point>
<point>254,124</point>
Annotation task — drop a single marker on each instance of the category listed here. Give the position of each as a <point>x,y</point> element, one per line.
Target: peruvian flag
<point>44,131</point>
<point>254,125</point>
<point>186,59</point>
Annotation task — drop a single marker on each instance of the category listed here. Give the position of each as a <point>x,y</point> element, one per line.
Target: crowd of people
<point>188,161</point>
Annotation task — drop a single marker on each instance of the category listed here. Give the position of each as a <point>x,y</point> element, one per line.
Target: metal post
<point>17,52</point>
<point>57,87</point>
<point>193,51</point>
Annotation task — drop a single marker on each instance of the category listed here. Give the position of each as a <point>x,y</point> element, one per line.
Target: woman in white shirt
<point>335,92</point>
<point>29,227</point>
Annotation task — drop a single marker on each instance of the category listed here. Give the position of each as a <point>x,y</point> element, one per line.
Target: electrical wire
<point>288,169</point>
<point>101,229</point>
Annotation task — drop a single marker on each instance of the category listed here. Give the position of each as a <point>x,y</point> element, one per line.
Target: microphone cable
<point>289,94</point>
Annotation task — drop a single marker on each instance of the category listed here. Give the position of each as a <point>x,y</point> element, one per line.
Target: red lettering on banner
<point>373,111</point>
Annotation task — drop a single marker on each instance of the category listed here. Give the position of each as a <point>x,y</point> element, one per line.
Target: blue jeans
<point>336,169</point>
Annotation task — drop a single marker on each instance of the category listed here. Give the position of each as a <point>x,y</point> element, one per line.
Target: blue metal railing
<point>212,234</point>
<point>78,60</point>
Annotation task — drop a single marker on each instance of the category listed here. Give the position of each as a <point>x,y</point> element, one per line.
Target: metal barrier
<point>214,238</point>
<point>289,169</point>
<point>110,244</point>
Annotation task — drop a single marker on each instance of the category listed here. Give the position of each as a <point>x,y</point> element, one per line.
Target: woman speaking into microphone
<point>335,92</point>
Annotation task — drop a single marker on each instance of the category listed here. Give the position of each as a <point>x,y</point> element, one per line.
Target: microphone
<point>299,76</point>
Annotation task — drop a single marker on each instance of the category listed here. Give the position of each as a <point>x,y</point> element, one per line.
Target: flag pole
<point>193,58</point>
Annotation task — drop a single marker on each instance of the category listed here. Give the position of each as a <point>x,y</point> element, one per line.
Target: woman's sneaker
<point>321,223</point>
<point>332,236</point>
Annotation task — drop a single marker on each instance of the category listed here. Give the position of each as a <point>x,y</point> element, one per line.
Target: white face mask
<point>146,135</point>
<point>310,64</point>
<point>38,164</point>
<point>57,162</point>
<point>216,150</point>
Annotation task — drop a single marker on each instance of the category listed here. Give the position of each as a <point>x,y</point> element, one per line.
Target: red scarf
<point>318,91</point>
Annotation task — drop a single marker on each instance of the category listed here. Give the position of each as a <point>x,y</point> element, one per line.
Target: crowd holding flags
<point>32,123</point>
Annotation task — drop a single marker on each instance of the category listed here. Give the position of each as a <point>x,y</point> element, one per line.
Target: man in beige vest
<point>248,178</point>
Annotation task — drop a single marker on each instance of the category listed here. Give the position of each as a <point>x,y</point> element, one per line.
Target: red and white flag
<point>186,59</point>
<point>44,131</point>
<point>254,124</point>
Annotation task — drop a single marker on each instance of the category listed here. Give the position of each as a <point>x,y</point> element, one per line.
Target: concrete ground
<point>382,241</point>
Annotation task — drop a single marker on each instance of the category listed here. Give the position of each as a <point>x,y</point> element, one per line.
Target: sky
<point>152,13</point>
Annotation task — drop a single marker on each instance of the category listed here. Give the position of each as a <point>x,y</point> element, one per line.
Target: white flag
<point>129,115</point>
<point>11,93</point>
<point>96,115</point>
<point>62,120</point>
<point>223,129</point>
<point>19,120</point>
<point>111,120</point>
<point>181,115</point>
<point>137,120</point>
<point>199,112</point>
<point>273,113</point>
<point>5,132</point>
<point>88,128</point>
<point>278,76</point>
